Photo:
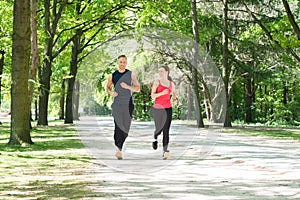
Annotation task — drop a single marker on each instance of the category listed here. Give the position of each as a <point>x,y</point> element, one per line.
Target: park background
<point>53,66</point>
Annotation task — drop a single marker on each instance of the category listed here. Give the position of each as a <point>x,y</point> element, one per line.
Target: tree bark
<point>291,18</point>
<point>225,65</point>
<point>76,92</point>
<point>2,52</point>
<point>20,105</point>
<point>248,99</point>
<point>62,100</point>
<point>45,71</point>
<point>195,74</point>
<point>189,112</point>
<point>34,51</point>
<point>44,77</point>
<point>73,72</point>
<point>294,98</point>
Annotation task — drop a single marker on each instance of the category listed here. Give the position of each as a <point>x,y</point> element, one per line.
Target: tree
<point>89,37</point>
<point>271,37</point>
<point>193,69</point>
<point>45,71</point>
<point>2,52</point>
<point>225,65</point>
<point>34,52</point>
<point>20,106</point>
<point>291,18</point>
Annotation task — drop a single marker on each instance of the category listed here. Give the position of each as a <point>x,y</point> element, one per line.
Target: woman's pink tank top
<point>164,100</point>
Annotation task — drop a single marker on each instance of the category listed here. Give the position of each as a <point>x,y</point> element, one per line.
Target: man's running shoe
<point>166,155</point>
<point>119,155</point>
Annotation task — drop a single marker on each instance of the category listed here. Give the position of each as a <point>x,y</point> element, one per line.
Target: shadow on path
<point>204,164</point>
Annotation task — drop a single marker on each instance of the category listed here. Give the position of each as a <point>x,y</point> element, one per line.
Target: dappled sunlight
<point>234,167</point>
<point>98,137</point>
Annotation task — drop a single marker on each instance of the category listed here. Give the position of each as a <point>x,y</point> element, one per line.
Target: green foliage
<point>92,74</point>
<point>283,33</point>
<point>252,54</point>
<point>142,103</point>
<point>170,14</point>
<point>6,10</point>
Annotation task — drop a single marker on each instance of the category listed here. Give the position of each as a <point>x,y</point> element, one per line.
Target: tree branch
<point>266,31</point>
<point>291,18</point>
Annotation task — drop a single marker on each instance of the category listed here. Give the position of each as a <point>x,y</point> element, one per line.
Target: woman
<point>161,92</point>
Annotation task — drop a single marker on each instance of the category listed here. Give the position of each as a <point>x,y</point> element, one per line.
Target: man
<point>125,82</point>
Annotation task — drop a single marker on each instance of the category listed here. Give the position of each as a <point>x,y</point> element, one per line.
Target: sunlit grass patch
<point>56,166</point>
<point>44,189</point>
<point>290,134</point>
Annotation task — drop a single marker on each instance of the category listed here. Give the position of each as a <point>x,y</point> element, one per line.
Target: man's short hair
<point>121,56</point>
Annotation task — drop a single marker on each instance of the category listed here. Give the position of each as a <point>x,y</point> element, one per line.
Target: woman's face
<point>162,72</point>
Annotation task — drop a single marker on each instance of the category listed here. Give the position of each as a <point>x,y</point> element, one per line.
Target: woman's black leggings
<point>162,120</point>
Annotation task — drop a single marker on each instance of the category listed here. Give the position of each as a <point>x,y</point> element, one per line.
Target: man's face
<point>122,62</point>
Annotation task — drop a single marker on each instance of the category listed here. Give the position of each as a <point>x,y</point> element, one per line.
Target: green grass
<point>55,167</point>
<point>279,133</point>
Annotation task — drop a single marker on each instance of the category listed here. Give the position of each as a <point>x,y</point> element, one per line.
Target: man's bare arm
<point>108,86</point>
<point>135,87</point>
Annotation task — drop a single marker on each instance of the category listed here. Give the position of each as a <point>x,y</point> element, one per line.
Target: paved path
<point>204,164</point>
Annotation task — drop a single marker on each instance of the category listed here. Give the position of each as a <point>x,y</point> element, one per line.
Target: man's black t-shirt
<point>124,95</point>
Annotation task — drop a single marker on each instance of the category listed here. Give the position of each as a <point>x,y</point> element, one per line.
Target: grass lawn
<point>57,166</point>
<point>279,133</point>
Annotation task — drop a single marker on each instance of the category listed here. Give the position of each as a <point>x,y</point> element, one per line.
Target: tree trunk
<point>248,99</point>
<point>62,100</point>
<point>73,72</point>
<point>285,93</point>
<point>69,101</point>
<point>285,100</point>
<point>294,98</point>
<point>189,116</point>
<point>44,77</point>
<point>36,109</point>
<point>76,93</point>
<point>225,65</point>
<point>195,83</point>
<point>266,106</point>
<point>45,71</point>
<point>34,51</point>
<point>2,52</point>
<point>207,106</point>
<point>20,105</point>
<point>261,105</point>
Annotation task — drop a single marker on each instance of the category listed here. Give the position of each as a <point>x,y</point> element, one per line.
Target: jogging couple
<point>124,82</point>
